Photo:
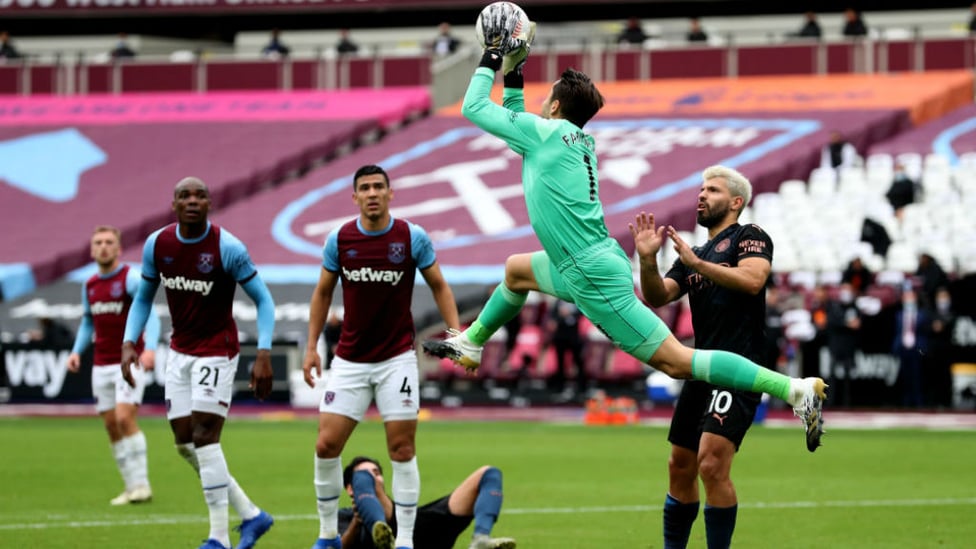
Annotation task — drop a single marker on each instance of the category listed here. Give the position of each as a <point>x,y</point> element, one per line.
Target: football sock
<point>678,518</point>
<point>189,454</point>
<point>238,499</point>
<point>488,503</point>
<point>406,492</point>
<point>328,485</point>
<point>736,372</point>
<point>364,497</point>
<point>135,461</point>
<point>719,524</point>
<point>500,308</point>
<point>215,479</point>
<point>119,451</point>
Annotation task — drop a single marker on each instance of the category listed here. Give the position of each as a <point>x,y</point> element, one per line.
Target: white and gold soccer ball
<point>502,26</point>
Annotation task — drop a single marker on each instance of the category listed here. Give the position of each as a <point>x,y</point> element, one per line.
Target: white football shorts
<point>199,384</point>
<point>351,386</point>
<point>109,388</point>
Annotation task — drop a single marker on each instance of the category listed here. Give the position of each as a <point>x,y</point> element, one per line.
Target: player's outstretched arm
<point>648,239</point>
<point>317,311</point>
<point>443,295</point>
<point>84,336</point>
<point>748,276</point>
<point>135,323</point>
<point>153,324</point>
<point>150,336</point>
<point>516,129</point>
<point>261,375</point>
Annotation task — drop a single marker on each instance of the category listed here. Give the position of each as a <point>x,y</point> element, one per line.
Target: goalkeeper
<point>581,262</point>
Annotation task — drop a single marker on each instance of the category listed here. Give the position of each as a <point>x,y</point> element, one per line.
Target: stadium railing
<point>378,68</point>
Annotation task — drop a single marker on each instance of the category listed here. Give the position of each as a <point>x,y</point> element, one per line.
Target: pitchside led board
<point>39,373</point>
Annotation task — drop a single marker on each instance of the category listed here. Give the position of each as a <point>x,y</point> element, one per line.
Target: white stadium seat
<point>890,278</point>
<point>936,160</point>
<point>902,257</point>
<point>822,189</point>
<point>913,164</point>
<point>793,192</point>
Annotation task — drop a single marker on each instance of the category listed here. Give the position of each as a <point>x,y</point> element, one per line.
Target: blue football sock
<point>719,525</point>
<point>364,497</point>
<point>489,501</point>
<point>678,518</point>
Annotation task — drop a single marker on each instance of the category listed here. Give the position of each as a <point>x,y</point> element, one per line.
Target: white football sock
<point>238,499</point>
<point>120,451</point>
<point>215,480</point>
<point>189,453</point>
<point>406,493</point>
<point>328,486</point>
<point>240,502</point>
<point>135,460</point>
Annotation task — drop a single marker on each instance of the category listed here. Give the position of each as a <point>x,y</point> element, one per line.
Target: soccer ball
<point>502,26</point>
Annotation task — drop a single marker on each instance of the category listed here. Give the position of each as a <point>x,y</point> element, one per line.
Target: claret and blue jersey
<point>377,270</point>
<point>200,277</point>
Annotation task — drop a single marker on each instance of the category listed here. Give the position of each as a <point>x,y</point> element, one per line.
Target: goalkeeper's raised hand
<point>514,60</point>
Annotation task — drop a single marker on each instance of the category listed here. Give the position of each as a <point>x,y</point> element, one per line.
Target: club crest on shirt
<point>329,397</point>
<point>205,263</point>
<point>397,252</point>
<point>723,245</point>
<point>116,290</point>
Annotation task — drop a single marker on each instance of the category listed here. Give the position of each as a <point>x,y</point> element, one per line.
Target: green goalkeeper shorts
<point>600,281</point>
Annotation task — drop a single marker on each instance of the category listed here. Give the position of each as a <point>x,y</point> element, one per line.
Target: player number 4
<point>405,387</point>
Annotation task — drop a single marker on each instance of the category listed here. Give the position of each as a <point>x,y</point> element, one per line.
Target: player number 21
<point>207,370</point>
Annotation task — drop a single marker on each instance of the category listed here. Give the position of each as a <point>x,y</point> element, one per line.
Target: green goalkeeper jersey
<point>559,168</point>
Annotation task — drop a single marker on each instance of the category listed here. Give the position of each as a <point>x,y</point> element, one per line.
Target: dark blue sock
<point>678,518</point>
<point>364,498</point>
<point>719,525</point>
<point>489,501</point>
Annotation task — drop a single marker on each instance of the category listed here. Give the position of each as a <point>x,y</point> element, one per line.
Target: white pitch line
<point>186,519</point>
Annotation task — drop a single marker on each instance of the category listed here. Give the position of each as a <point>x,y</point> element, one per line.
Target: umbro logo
<point>351,253</point>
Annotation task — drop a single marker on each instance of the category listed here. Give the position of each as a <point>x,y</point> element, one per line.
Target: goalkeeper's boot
<point>252,529</point>
<point>213,544</point>
<point>322,543</point>
<point>457,347</point>
<point>481,541</point>
<point>807,397</point>
<point>382,535</point>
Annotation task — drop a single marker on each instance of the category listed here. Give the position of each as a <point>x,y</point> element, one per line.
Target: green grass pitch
<point>566,486</point>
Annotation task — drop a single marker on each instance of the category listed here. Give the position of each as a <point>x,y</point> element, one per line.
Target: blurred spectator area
<point>737,46</point>
<point>818,224</point>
